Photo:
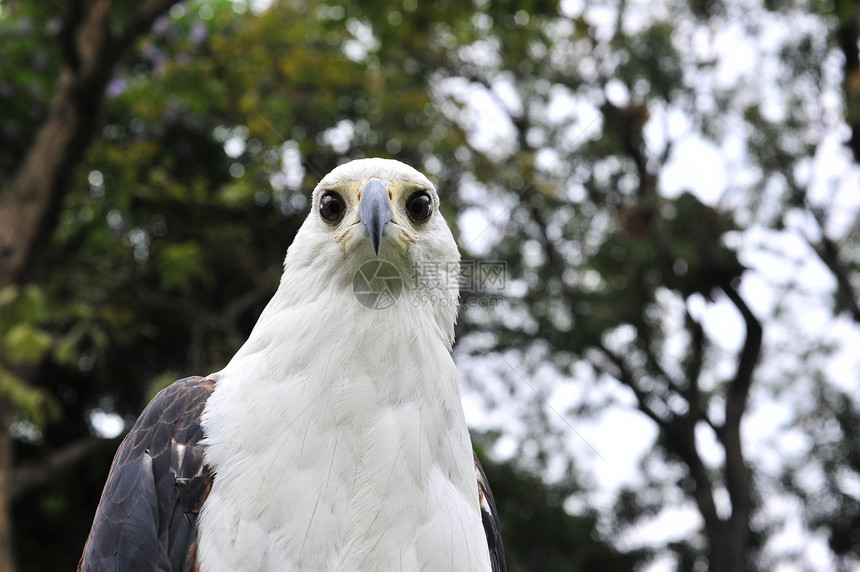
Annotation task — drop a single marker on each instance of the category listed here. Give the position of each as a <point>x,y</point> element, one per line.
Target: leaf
<point>26,344</point>
<point>37,404</point>
<point>181,266</point>
<point>66,349</point>
<point>22,304</point>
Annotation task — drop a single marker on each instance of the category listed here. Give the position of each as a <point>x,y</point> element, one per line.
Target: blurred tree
<point>556,126</point>
<point>91,37</point>
<point>615,266</point>
<point>831,501</point>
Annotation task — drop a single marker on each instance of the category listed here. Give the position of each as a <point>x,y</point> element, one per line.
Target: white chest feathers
<point>343,460</point>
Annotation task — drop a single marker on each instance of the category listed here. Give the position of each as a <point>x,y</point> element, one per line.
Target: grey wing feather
<point>147,515</point>
<point>490,518</point>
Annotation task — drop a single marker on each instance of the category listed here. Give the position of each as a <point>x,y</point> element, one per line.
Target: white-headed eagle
<point>335,438</point>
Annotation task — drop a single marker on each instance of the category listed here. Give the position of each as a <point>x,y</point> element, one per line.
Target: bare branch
<point>625,376</point>
<point>828,252</point>
<point>34,475</point>
<point>738,478</point>
<point>847,298</point>
<point>695,362</point>
<point>738,392</point>
<point>680,440</point>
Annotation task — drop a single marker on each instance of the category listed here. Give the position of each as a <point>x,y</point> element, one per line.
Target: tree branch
<point>34,475</point>
<point>680,440</point>
<point>738,392</point>
<point>847,298</point>
<point>71,22</point>
<point>828,252</point>
<point>31,200</point>
<point>692,366</point>
<point>626,377</point>
<point>738,478</point>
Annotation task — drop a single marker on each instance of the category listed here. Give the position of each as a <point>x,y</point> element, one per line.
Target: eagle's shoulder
<point>156,486</point>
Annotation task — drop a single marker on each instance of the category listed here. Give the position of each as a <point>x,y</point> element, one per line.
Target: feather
<point>147,516</point>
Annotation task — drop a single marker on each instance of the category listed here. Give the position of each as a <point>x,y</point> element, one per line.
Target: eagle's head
<point>380,207</point>
<point>372,218</point>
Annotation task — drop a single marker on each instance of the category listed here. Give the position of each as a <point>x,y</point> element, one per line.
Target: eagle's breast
<point>352,458</point>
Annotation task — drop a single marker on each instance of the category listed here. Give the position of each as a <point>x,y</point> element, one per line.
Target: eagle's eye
<point>419,206</point>
<point>332,207</point>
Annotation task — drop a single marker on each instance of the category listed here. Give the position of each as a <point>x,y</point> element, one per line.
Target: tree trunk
<point>30,202</point>
<point>33,197</point>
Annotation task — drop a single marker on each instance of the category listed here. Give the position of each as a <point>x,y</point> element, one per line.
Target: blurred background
<point>664,373</point>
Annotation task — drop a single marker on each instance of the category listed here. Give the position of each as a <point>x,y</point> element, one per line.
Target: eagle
<point>335,438</point>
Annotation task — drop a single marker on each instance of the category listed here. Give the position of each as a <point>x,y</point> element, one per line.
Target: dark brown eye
<point>419,206</point>
<point>332,207</point>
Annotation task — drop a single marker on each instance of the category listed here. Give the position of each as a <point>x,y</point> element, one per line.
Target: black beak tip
<point>375,243</point>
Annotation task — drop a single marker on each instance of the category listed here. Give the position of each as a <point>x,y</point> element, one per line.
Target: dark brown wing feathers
<point>490,518</point>
<point>147,516</point>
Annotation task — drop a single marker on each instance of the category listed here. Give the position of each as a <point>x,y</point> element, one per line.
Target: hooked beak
<point>375,211</point>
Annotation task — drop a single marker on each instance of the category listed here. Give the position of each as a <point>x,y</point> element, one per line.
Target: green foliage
<point>23,344</point>
<point>21,305</point>
<point>677,243</point>
<point>181,265</point>
<point>37,404</point>
<point>26,344</point>
<point>651,65</point>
